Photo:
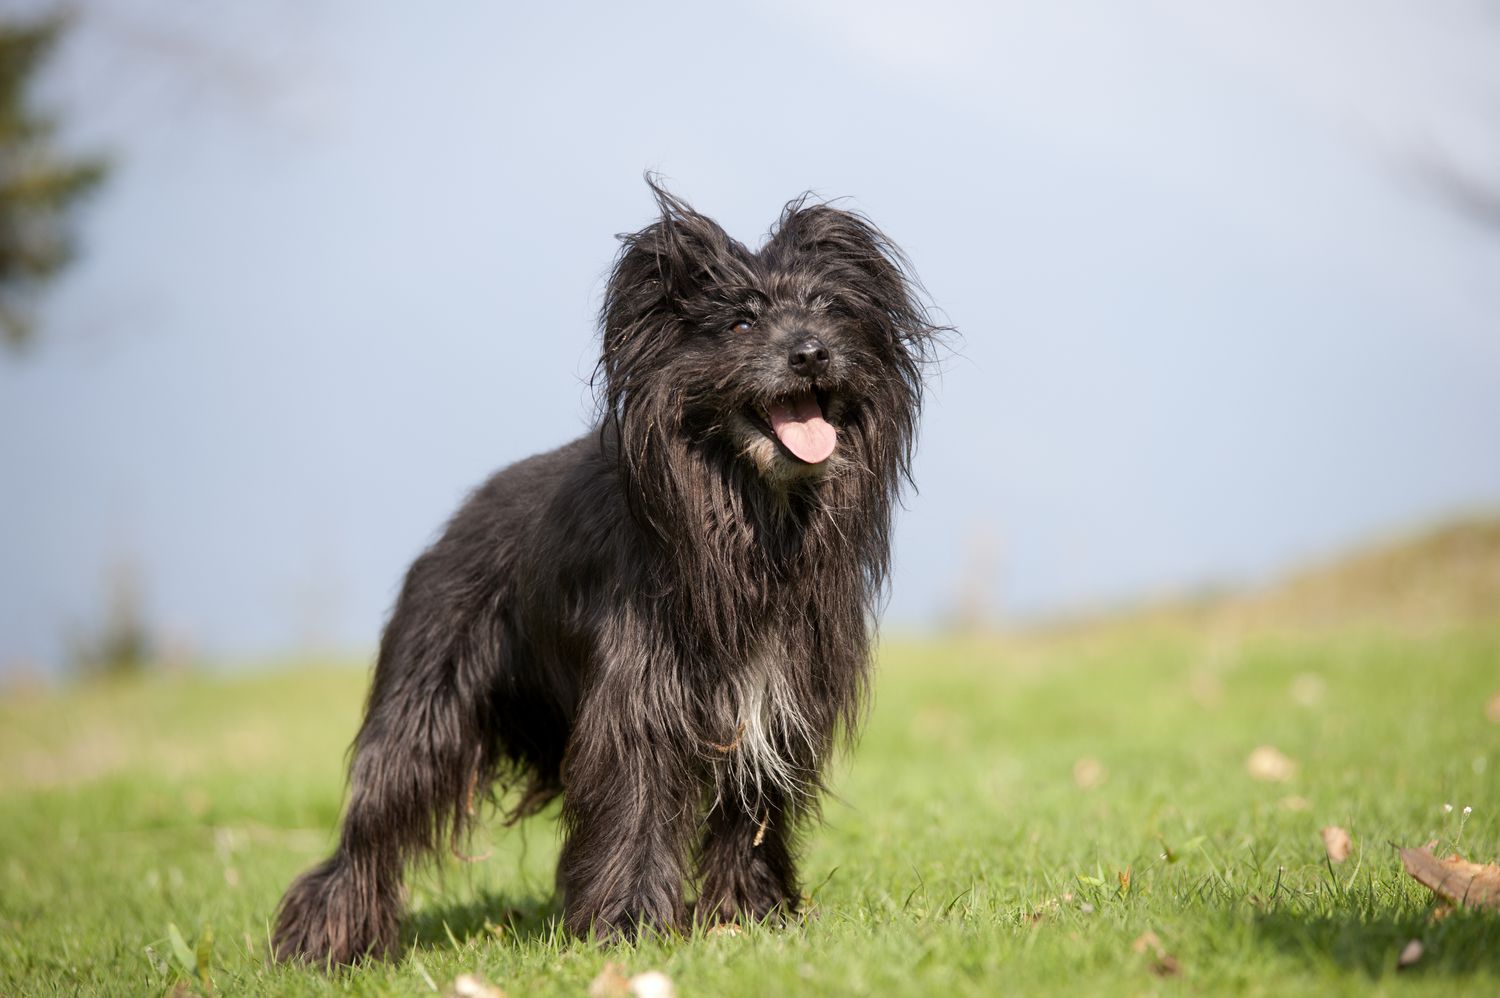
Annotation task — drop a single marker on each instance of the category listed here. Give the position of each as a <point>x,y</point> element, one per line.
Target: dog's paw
<point>627,921</point>
<point>330,917</point>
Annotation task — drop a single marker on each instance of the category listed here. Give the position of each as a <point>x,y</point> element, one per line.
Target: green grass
<point>962,856</point>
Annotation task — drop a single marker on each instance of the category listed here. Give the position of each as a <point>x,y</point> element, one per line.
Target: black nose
<point>809,358</point>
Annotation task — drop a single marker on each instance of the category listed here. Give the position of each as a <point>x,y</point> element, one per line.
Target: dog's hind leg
<point>424,746</point>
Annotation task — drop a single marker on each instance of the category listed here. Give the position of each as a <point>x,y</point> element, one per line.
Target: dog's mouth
<point>798,422</point>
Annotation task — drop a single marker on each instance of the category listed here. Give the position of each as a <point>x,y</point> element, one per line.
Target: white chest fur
<point>770,731</point>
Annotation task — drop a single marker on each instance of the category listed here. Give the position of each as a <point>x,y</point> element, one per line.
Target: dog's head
<point>803,360</point>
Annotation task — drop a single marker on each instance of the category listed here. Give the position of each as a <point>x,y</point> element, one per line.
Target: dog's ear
<point>871,275</point>
<point>667,264</point>
<point>658,276</point>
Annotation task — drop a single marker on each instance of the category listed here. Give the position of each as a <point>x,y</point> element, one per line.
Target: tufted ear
<point>657,275</point>
<point>872,275</point>
<point>669,262</point>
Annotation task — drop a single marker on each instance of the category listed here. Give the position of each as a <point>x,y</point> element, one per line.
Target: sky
<point>1214,316</point>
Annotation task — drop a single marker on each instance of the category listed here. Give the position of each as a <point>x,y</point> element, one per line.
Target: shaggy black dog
<point>667,620</point>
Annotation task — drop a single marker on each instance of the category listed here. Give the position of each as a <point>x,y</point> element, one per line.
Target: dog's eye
<point>743,326</point>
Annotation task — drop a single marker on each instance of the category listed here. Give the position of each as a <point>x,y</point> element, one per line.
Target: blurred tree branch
<point>40,187</point>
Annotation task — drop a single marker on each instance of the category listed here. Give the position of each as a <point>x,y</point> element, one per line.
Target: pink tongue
<point>800,426</point>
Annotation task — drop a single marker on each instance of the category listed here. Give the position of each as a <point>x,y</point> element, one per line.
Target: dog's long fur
<point>666,621</point>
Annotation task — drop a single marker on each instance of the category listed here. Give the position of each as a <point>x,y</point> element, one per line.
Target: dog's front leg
<point>631,787</point>
<point>745,862</point>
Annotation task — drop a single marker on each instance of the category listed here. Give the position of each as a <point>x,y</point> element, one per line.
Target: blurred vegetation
<point>40,186</point>
<point>122,644</point>
<point>1072,811</point>
<point>1021,817</point>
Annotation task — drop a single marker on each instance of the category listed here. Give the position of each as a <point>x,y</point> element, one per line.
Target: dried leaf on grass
<point>1336,843</point>
<point>1089,773</point>
<point>1492,708</point>
<point>652,984</point>
<point>723,929</point>
<point>1163,964</point>
<point>1269,765</point>
<point>1166,966</point>
<point>612,983</point>
<point>473,986</point>
<point>1472,885</point>
<point>1410,954</point>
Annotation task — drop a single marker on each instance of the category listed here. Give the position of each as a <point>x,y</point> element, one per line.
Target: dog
<point>667,621</point>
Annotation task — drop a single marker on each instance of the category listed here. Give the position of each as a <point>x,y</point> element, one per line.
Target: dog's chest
<point>770,728</point>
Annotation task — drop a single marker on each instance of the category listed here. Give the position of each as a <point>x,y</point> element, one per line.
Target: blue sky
<point>1214,322</point>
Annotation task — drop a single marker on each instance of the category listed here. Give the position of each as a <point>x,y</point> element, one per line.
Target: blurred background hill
<point>1436,579</point>
<point>1444,577</point>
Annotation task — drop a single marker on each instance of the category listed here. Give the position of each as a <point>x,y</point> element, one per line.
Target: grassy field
<point>1018,815</point>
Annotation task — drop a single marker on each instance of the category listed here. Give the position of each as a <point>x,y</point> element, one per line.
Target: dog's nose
<point>809,358</point>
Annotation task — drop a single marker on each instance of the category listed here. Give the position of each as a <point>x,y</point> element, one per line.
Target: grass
<point>964,856</point>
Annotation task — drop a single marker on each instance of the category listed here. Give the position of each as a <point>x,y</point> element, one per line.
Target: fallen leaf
<point>611,982</point>
<point>1166,966</point>
<point>1410,954</point>
<point>1492,708</point>
<point>652,984</point>
<point>1148,940</point>
<point>1336,843</point>
<point>473,986</point>
<point>1471,885</point>
<point>1163,964</point>
<point>1269,765</point>
<point>1089,773</point>
<point>723,929</point>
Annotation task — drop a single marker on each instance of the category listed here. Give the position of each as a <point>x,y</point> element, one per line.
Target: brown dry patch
<point>1162,964</point>
<point>1456,880</point>
<point>1089,773</point>
<point>1270,765</point>
<point>1336,843</point>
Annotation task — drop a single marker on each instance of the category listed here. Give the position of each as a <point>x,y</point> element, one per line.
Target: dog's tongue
<point>800,426</point>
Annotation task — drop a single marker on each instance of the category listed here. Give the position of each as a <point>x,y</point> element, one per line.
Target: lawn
<point>1018,815</point>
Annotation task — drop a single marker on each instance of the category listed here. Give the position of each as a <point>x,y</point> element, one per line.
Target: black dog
<point>665,621</point>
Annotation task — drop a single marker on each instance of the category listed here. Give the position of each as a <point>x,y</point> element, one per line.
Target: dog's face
<point>800,359</point>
